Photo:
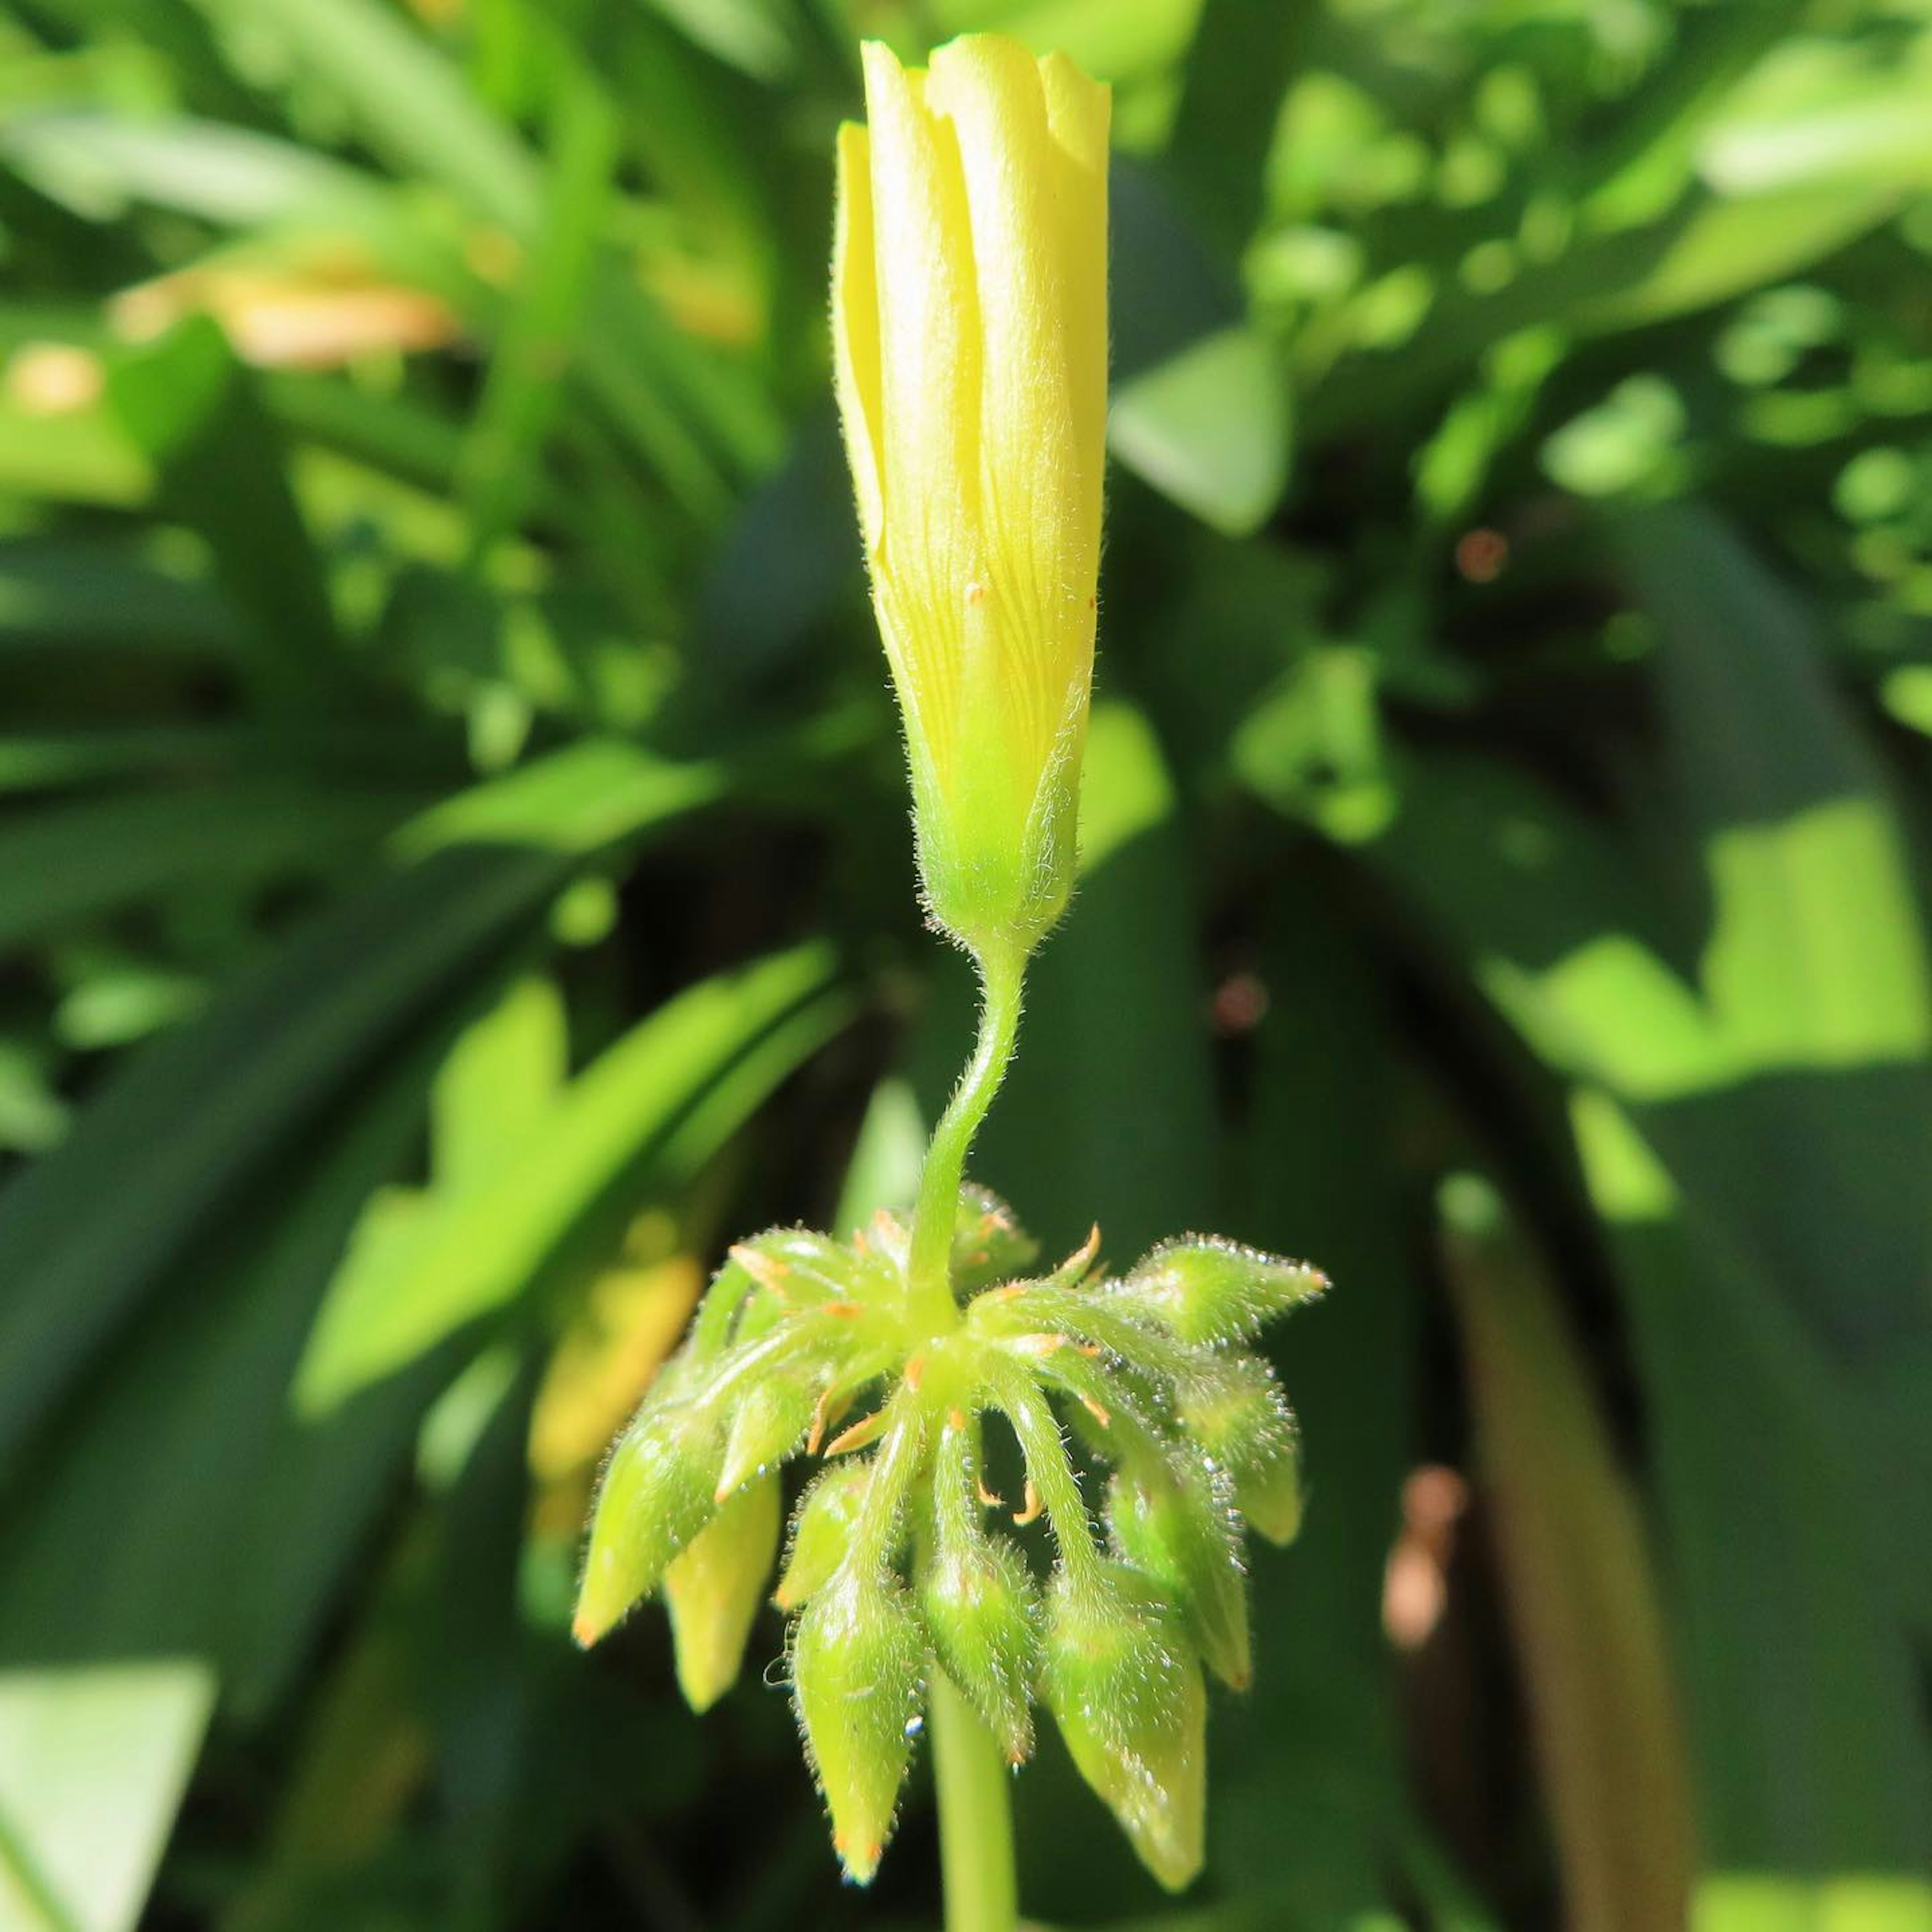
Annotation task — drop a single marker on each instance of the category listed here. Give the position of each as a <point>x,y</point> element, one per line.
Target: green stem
<point>1052,1477</point>
<point>929,1268</point>
<point>975,1815</point>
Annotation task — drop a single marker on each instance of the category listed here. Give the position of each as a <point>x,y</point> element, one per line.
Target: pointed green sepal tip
<point>1270,1498</point>
<point>656,1496</point>
<point>1177,1525</point>
<point>858,1665</point>
<point>770,1424</point>
<point>808,1265</point>
<point>1236,1413</point>
<point>1204,1289</point>
<point>822,1528</point>
<point>810,1269</point>
<point>989,1245</point>
<point>1124,1686</point>
<point>713,1590</point>
<point>982,1612</point>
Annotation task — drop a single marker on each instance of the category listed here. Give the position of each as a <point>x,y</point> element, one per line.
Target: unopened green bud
<point>782,1269</point>
<point>1126,1691</point>
<point>982,1612</point>
<point>822,1530</point>
<point>657,1493</point>
<point>1236,1414</point>
<point>1178,1526</point>
<point>989,1245</point>
<point>712,1592</point>
<point>857,1666</point>
<point>1204,1289</point>
<point>803,1265</point>
<point>770,1422</point>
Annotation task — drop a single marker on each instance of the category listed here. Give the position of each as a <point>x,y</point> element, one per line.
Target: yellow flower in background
<point>970,315</point>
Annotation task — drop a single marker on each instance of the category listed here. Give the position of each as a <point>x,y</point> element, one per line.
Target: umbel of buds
<point>1135,1398</point>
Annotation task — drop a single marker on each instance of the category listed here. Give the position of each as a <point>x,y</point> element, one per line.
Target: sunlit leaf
<point>423,1267</point>
<point>93,1763</point>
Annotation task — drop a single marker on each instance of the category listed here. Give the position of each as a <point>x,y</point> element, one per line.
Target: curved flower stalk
<point>912,1361</point>
<point>808,1348</point>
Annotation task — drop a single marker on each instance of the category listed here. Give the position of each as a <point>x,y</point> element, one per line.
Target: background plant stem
<point>975,1819</point>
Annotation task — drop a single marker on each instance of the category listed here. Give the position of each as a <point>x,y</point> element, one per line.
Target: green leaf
<point>501,1078</point>
<point>1736,1115</point>
<point>87,1233</point>
<point>88,593</point>
<point>231,177</point>
<point>1725,248</point>
<point>409,101</point>
<point>93,1764</point>
<point>1581,1589</point>
<point>499,471</point>
<point>1308,1786</point>
<point>66,865</point>
<point>184,1438</point>
<point>1756,1902</point>
<point>591,795</point>
<point>426,1266</point>
<point>219,469</point>
<point>1209,427</point>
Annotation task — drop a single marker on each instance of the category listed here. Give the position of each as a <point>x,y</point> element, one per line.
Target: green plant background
<point>454,875</point>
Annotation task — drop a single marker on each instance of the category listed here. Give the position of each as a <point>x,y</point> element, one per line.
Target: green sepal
<point>1124,1685</point>
<point>772,1274</point>
<point>656,1494</point>
<point>1176,1523</point>
<point>720,1310</point>
<point>763,1313</point>
<point>808,1267</point>
<point>822,1530</point>
<point>770,1423</point>
<point>1236,1413</point>
<point>713,1590</point>
<point>858,1669</point>
<point>1203,1289</point>
<point>1270,1497</point>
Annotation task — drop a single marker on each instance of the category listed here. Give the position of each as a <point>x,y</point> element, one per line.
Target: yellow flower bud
<point>970,314</point>
<point>713,1589</point>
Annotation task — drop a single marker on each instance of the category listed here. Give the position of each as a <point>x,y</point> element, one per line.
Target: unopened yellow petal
<point>929,358</point>
<point>975,416</point>
<point>1079,109</point>
<point>989,87</point>
<point>855,327</point>
<point>1079,113</point>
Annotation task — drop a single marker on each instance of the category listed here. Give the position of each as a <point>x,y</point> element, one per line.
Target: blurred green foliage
<point>454,874</point>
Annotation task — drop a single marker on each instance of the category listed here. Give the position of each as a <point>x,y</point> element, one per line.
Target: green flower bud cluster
<point>1138,1392</point>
